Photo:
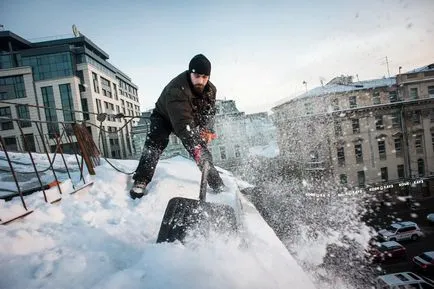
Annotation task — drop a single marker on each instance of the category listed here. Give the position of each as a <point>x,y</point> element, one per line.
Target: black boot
<point>138,190</point>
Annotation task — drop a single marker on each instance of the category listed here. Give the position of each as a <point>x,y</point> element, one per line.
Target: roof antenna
<point>305,84</point>
<point>357,78</point>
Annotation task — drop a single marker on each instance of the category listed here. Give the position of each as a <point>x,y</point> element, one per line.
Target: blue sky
<point>261,52</point>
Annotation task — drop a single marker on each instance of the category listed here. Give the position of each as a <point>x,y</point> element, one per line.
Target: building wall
<point>113,144</point>
<point>296,139</point>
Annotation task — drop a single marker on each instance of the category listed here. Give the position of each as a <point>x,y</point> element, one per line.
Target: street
<point>385,215</point>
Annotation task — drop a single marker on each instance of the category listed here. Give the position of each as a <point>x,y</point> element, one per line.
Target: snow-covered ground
<point>100,238</point>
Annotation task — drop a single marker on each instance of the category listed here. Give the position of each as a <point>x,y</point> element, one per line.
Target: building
<point>72,75</point>
<point>232,144</point>
<point>140,132</point>
<point>374,134</point>
<point>260,129</point>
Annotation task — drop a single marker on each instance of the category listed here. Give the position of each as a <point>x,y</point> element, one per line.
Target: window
<point>431,91</point>
<point>23,113</point>
<point>115,91</point>
<point>5,123</point>
<point>396,120</point>
<point>95,82</point>
<point>337,127</point>
<point>85,108</point>
<point>335,104</point>
<point>418,143</point>
<point>353,101</point>
<point>413,93</point>
<point>432,140</point>
<point>431,115</point>
<point>361,178</point>
<point>398,146</point>
<point>49,66</point>
<point>222,153</point>
<point>308,108</point>
<point>376,97</point>
<point>382,149</point>
<point>67,102</point>
<point>359,153</point>
<point>400,169</point>
<point>99,106</point>
<point>393,96</point>
<point>416,117</point>
<point>384,174</point>
<point>237,151</point>
<point>12,87</point>
<point>420,167</point>
<point>106,87</point>
<point>50,112</point>
<point>343,179</point>
<point>341,155</point>
<point>11,143</point>
<point>355,125</point>
<point>379,122</point>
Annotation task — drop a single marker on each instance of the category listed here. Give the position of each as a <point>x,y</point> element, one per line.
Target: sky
<point>101,238</point>
<point>261,51</point>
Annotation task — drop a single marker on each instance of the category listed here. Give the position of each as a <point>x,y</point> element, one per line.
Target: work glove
<point>207,136</point>
<point>201,154</point>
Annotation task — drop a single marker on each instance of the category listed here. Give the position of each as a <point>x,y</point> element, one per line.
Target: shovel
<point>185,215</point>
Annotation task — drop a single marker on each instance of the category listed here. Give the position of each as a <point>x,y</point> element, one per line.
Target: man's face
<point>199,81</point>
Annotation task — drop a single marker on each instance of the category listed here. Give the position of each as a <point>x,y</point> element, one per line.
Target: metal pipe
<point>49,159</point>
<point>27,147</point>
<point>13,172</point>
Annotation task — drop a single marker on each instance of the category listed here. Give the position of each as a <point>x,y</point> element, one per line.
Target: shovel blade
<point>183,215</point>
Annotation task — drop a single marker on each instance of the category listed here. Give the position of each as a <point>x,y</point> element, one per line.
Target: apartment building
<point>140,132</point>
<point>374,134</point>
<point>72,75</point>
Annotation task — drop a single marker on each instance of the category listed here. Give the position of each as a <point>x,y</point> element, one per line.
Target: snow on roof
<point>429,67</point>
<point>354,86</point>
<point>339,88</point>
<point>103,239</point>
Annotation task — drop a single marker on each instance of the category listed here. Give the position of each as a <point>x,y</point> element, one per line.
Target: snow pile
<point>100,238</point>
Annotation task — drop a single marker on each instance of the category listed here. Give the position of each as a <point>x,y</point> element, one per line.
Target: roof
<point>429,67</point>
<point>403,224</point>
<point>390,244</point>
<point>16,41</point>
<point>430,254</point>
<point>400,278</point>
<point>354,86</point>
<point>333,87</point>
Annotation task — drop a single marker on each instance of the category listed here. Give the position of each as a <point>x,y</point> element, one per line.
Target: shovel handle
<point>204,181</point>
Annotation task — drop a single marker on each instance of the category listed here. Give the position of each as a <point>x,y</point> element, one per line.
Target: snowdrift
<point>101,238</point>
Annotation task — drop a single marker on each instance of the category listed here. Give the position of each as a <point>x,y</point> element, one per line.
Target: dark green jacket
<point>186,111</point>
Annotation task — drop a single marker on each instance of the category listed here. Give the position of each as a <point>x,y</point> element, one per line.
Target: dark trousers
<point>156,141</point>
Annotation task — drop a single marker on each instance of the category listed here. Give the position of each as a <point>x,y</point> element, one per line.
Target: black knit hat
<point>200,64</point>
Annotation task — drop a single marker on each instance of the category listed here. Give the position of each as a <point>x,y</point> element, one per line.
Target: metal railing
<point>51,166</point>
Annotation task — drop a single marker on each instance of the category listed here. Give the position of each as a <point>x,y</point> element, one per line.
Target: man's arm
<point>181,118</point>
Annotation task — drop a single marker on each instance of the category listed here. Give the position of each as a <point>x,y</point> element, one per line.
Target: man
<point>186,107</point>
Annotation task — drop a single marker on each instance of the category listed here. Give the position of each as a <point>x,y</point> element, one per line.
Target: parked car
<point>386,251</point>
<point>430,218</point>
<point>425,262</point>
<point>401,231</point>
<point>402,280</point>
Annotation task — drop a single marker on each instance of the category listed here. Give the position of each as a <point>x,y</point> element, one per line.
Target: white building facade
<point>72,75</point>
<point>373,134</point>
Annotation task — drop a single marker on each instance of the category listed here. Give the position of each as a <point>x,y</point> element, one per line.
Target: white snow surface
<point>100,238</point>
